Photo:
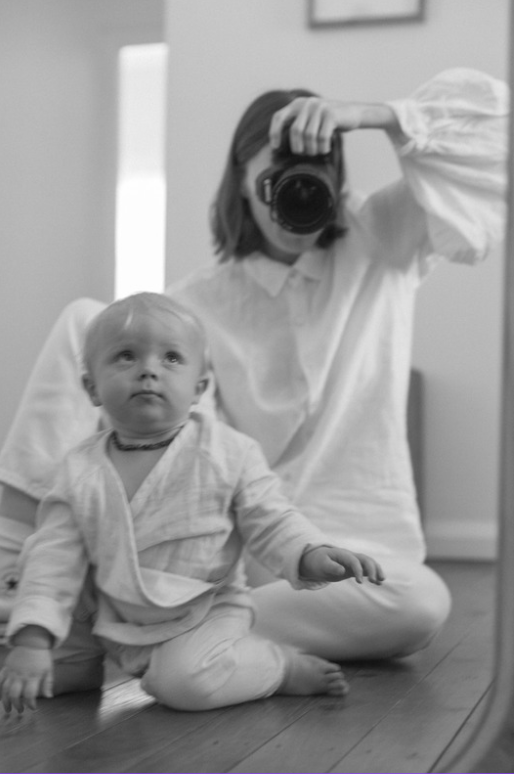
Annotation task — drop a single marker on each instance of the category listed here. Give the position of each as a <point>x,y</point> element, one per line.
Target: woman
<point>309,329</point>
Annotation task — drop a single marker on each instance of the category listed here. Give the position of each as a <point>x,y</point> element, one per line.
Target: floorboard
<point>403,716</point>
<point>464,735</point>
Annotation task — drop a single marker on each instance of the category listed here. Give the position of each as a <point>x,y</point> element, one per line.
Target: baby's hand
<point>332,564</point>
<point>27,673</point>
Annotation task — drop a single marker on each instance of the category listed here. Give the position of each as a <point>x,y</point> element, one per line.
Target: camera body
<point>301,191</point>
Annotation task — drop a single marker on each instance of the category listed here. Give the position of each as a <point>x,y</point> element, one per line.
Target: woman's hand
<point>27,674</point>
<point>312,122</point>
<point>331,564</point>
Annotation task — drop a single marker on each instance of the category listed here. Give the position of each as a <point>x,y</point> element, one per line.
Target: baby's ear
<point>90,388</point>
<point>201,386</point>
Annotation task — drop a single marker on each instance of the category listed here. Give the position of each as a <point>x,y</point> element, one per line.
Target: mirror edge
<point>492,748</point>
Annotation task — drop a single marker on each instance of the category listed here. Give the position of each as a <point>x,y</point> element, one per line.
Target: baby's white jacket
<point>160,560</point>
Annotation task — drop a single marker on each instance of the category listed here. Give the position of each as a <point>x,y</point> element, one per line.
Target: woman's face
<point>281,245</point>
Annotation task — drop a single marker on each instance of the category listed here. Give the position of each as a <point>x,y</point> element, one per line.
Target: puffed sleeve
<point>455,160</point>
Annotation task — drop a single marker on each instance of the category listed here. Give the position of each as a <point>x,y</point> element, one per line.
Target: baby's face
<point>147,373</point>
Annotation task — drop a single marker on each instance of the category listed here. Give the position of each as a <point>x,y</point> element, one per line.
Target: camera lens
<point>302,202</point>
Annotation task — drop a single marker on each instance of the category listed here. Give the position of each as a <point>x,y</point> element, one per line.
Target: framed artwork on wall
<point>328,13</point>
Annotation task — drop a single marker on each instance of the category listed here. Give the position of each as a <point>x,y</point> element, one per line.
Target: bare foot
<point>307,675</point>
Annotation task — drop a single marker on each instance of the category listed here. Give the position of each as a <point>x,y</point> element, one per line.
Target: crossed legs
<point>349,621</point>
<point>221,662</point>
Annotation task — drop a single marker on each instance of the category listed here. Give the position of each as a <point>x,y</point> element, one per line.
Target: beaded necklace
<point>139,447</point>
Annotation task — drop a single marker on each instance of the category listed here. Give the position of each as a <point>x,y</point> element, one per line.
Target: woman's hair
<point>234,230</point>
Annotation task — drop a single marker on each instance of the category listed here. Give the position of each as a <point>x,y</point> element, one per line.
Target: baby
<point>159,506</point>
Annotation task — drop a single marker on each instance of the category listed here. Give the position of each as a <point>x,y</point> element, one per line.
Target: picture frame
<point>330,13</point>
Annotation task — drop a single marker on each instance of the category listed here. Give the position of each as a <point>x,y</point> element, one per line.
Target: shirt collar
<point>272,275</point>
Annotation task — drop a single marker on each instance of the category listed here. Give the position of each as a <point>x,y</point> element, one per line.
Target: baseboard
<point>462,540</point>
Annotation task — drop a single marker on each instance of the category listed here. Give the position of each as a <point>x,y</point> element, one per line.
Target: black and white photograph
<point>257,415</point>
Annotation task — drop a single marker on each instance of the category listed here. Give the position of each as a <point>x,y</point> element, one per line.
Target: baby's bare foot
<point>307,675</point>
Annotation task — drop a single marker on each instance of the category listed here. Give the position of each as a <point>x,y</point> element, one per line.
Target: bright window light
<point>141,186</point>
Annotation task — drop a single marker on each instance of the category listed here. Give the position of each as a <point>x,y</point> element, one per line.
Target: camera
<point>301,191</point>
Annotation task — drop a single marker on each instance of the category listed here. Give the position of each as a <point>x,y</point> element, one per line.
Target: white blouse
<point>313,360</point>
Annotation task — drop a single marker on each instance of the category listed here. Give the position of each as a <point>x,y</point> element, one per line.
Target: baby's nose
<point>148,370</point>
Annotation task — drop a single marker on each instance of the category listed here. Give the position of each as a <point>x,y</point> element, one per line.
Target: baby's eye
<point>125,356</point>
<point>172,357</point>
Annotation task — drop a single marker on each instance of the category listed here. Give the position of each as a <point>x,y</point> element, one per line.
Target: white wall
<point>57,161</point>
<point>47,140</point>
<point>223,54</point>
<point>57,151</point>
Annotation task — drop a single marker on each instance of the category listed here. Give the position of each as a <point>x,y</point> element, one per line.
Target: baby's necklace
<point>139,447</point>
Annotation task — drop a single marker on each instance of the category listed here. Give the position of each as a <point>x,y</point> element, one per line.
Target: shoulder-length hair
<point>234,230</point>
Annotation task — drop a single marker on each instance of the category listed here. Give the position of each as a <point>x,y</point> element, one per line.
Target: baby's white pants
<point>216,664</point>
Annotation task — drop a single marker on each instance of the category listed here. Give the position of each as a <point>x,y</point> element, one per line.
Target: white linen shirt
<point>161,560</point>
<point>313,359</point>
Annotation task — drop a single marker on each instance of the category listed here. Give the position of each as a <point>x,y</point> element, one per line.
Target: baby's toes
<point>337,684</point>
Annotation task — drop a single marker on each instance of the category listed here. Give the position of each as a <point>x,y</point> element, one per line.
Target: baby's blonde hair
<point>131,307</point>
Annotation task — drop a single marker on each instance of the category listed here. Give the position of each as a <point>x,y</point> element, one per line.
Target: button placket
<point>296,298</point>
<point>298,304</point>
<point>299,289</point>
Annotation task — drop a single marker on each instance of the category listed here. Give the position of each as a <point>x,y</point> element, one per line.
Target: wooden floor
<point>406,716</point>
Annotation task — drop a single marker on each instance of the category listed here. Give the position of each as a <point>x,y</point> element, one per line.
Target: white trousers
<point>348,621</point>
<point>217,664</point>
<point>343,621</point>
<point>54,413</point>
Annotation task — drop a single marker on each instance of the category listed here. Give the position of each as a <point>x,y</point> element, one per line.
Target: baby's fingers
<point>356,568</point>
<point>47,687</point>
<point>19,694</point>
<point>12,691</point>
<point>5,691</point>
<point>333,570</point>
<point>372,570</point>
<point>349,564</point>
<point>30,693</point>
<point>6,701</point>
